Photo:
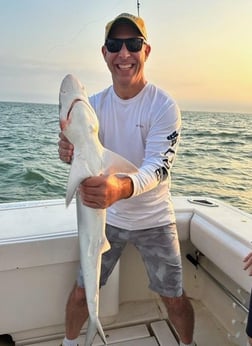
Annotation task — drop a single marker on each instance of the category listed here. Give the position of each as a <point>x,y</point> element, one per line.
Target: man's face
<point>126,67</point>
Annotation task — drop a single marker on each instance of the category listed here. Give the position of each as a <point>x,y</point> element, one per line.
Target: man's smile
<point>124,66</point>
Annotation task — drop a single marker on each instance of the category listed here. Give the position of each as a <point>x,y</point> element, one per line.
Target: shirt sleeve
<point>161,147</point>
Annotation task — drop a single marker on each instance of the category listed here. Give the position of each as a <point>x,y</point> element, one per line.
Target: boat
<point>39,258</point>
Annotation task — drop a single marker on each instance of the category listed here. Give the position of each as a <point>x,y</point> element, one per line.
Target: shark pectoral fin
<point>76,176</point>
<point>114,163</point>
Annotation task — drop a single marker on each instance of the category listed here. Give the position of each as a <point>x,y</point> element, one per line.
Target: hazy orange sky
<point>201,50</point>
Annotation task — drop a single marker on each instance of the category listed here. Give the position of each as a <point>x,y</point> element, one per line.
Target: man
<point>248,265</point>
<point>142,123</point>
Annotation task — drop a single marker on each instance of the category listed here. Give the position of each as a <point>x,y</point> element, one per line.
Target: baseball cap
<point>126,17</point>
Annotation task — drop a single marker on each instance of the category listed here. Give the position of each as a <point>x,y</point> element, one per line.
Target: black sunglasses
<point>114,45</point>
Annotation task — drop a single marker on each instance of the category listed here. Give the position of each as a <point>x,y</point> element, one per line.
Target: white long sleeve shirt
<point>145,130</point>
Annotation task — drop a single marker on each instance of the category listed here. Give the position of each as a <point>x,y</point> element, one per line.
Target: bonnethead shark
<point>80,125</point>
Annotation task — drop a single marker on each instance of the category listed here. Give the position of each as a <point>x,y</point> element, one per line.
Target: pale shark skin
<point>80,125</point>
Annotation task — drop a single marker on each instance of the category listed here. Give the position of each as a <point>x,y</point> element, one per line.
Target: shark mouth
<point>72,106</point>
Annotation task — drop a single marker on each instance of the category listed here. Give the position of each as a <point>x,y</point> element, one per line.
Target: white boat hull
<point>39,257</point>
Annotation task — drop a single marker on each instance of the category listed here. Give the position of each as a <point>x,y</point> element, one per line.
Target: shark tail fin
<point>100,331</point>
<point>93,327</point>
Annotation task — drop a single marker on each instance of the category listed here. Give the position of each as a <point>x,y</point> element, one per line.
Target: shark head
<point>80,126</point>
<point>71,90</point>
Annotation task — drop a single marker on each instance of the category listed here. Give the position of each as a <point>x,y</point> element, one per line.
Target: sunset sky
<point>201,49</point>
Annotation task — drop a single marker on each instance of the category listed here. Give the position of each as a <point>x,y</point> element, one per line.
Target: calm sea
<point>214,157</point>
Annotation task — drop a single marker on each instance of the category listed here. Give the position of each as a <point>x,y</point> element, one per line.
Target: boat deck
<point>208,331</point>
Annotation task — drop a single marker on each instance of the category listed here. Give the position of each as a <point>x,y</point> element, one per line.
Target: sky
<point>201,49</point>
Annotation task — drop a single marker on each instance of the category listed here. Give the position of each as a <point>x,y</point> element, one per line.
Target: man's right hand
<point>248,263</point>
<point>65,149</point>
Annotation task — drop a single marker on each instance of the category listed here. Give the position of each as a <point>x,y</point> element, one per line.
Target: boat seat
<point>183,224</point>
<point>223,246</point>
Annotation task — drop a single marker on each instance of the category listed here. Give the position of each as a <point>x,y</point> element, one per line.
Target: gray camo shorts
<point>160,251</point>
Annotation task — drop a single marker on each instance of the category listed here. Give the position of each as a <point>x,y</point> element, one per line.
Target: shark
<point>79,123</point>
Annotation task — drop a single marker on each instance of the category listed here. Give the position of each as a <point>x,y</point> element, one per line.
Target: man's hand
<point>65,149</point>
<point>248,263</point>
<point>102,191</point>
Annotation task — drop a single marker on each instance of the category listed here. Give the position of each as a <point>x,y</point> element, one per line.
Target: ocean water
<point>214,158</point>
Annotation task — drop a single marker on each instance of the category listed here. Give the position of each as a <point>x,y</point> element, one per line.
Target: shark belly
<point>93,243</point>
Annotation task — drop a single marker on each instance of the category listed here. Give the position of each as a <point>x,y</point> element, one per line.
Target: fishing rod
<point>138,7</point>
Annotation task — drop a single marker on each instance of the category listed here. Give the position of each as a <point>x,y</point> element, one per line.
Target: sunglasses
<point>114,45</point>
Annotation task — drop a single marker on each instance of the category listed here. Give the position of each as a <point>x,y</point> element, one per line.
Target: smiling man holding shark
<point>141,123</point>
